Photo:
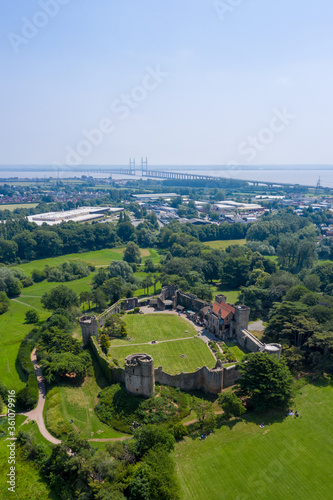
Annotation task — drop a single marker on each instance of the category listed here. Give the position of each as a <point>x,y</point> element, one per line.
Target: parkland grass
<point>223,244</point>
<point>290,458</point>
<point>13,206</point>
<point>96,258</point>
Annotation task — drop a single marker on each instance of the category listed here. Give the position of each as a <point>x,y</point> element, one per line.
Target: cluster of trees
<point>11,283</point>
<point>67,271</point>
<point>61,357</point>
<point>291,237</point>
<point>173,231</point>
<point>141,468</point>
<point>197,266</point>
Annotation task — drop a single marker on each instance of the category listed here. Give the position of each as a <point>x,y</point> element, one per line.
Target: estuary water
<point>295,174</point>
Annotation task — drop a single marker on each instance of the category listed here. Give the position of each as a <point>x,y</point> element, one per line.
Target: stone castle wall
<point>190,301</point>
<point>114,309</point>
<point>204,379</point>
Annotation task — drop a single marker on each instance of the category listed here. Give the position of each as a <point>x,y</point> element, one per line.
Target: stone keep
<point>89,327</point>
<point>139,375</point>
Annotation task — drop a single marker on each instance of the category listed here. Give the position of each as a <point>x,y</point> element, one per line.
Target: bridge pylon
<point>144,166</point>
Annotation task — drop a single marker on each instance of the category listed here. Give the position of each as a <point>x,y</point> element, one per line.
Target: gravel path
<point>37,413</point>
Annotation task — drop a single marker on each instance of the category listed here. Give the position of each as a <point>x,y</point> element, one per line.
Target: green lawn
<point>237,350</point>
<point>161,327</point>
<point>290,458</point>
<point>155,326</point>
<point>168,355</point>
<point>223,244</point>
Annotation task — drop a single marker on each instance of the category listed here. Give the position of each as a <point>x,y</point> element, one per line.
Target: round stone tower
<point>139,375</point>
<point>274,349</point>
<point>89,327</point>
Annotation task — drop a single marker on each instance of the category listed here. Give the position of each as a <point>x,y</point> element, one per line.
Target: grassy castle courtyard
<point>177,349</point>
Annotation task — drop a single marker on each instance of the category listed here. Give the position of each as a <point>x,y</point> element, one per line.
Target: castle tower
<point>89,327</point>
<point>139,375</point>
<point>242,316</point>
<point>221,299</point>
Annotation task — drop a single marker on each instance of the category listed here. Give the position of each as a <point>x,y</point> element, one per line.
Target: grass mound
<point>119,409</point>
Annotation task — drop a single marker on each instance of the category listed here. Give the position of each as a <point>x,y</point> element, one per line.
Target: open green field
<point>18,205</point>
<point>223,244</point>
<point>66,402</point>
<point>144,328</point>
<point>12,331</point>
<point>96,258</point>
<point>168,355</point>
<point>290,458</point>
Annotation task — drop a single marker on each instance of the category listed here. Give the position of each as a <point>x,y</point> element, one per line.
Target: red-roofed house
<point>223,319</point>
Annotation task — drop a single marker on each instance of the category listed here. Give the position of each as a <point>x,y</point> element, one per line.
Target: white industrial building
<point>82,214</point>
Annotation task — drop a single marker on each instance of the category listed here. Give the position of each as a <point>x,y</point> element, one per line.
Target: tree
<point>4,302</point>
<point>299,330</point>
<point>132,253</point>
<point>8,251</point>
<point>105,343</point>
<point>148,436</point>
<point>100,299</point>
<point>156,280</point>
<point>113,325</point>
<point>179,431</point>
<point>38,275</point>
<point>120,269</point>
<point>31,316</point>
<point>123,331</point>
<point>203,410</point>
<point>113,289</point>
<point>231,405</point>
<point>9,283</point>
<point>125,230</point>
<point>265,380</point>
<point>60,297</point>
<point>149,266</point>
<point>281,314</point>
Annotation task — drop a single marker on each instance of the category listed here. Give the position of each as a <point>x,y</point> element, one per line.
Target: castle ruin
<point>139,375</point>
<point>89,327</point>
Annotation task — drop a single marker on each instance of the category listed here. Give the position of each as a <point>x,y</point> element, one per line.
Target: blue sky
<point>179,81</point>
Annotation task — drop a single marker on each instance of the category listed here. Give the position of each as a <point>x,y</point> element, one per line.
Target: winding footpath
<point>37,413</point>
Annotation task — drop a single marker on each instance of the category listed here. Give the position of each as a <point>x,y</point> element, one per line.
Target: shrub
<point>38,275</point>
<point>4,302</point>
<point>31,316</point>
